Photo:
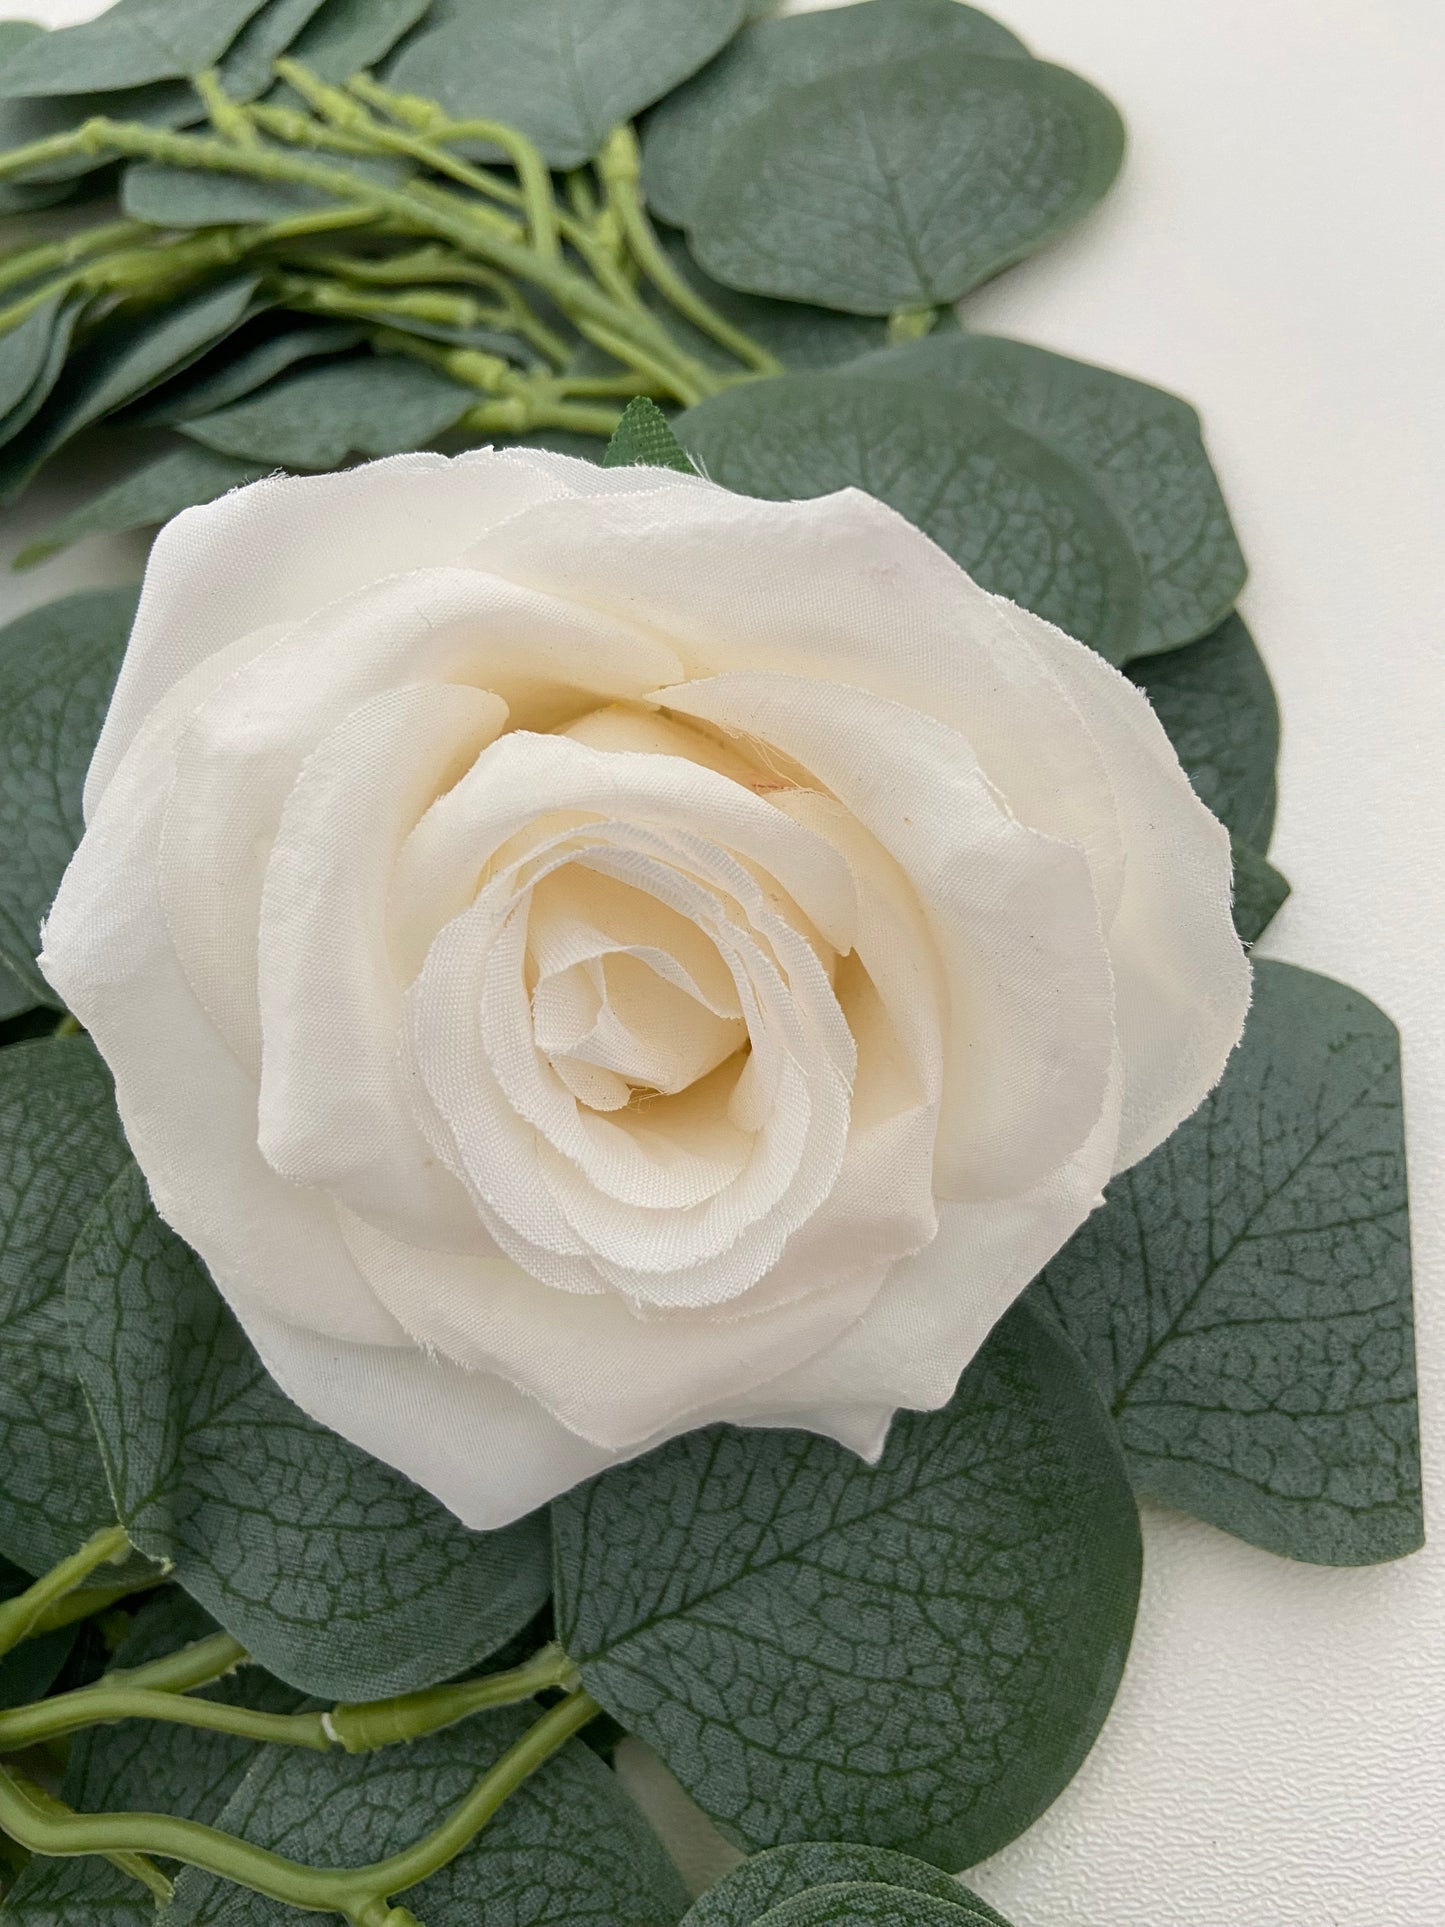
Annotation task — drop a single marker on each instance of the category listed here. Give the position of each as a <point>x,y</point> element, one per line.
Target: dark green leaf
<point>1259,891</point>
<point>31,357</point>
<point>165,103</point>
<point>1217,703</point>
<point>240,367</point>
<point>1244,1296</point>
<point>904,185</point>
<point>1016,516</point>
<point>770,1880</point>
<point>689,130</point>
<point>1139,446</point>
<point>916,1654</point>
<point>347,36</point>
<point>335,1571</point>
<point>121,362</point>
<point>60,1145</point>
<point>566,72</point>
<point>868,1907</point>
<point>568,1849</point>
<point>16,996</point>
<point>133,42</point>
<point>644,439</point>
<point>183,197</point>
<point>178,1770</point>
<point>146,498</point>
<point>28,1670</point>
<point>58,666</point>
<point>247,69</point>
<point>376,405</point>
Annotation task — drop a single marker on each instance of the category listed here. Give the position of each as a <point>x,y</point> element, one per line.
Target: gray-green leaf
<point>121,362</point>
<point>1141,448</point>
<point>644,439</point>
<point>60,1146</point>
<point>916,1654</point>
<point>133,42</point>
<point>568,1849</point>
<point>144,499</point>
<point>376,405</point>
<point>1244,1296</point>
<point>31,358</point>
<point>58,666</point>
<point>1259,891</point>
<point>334,1570</point>
<point>907,184</point>
<point>347,36</point>
<point>238,369</point>
<point>1020,519</point>
<point>183,1771</point>
<point>566,72</point>
<point>1217,703</point>
<point>770,1880</point>
<point>689,130</point>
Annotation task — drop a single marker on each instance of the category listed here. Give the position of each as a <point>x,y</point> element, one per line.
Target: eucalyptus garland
<point>245,1667</point>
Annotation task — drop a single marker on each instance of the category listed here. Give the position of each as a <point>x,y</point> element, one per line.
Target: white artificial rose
<point>583,954</point>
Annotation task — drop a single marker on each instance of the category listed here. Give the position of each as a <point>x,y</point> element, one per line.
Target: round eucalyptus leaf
<point>915,1654</point>
<point>129,44</point>
<point>1141,448</point>
<point>904,185</point>
<point>688,130</point>
<point>145,498</point>
<point>1019,518</point>
<point>566,72</point>
<point>375,405</point>
<point>751,1892</point>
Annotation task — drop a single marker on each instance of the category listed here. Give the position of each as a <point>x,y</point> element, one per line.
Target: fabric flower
<point>583,954</point>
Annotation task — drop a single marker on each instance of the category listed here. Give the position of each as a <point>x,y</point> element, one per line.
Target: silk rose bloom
<point>584,954</point>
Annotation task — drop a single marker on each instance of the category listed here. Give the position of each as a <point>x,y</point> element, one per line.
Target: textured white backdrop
<point>1277,1755</point>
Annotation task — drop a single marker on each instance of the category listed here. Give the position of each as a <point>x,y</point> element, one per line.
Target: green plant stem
<point>86,1601</point>
<point>198,1664</point>
<point>96,1705</point>
<point>28,263</point>
<point>19,1616</point>
<point>436,264</point>
<point>135,1864</point>
<point>359,1894</point>
<point>362,1729</point>
<point>620,166</point>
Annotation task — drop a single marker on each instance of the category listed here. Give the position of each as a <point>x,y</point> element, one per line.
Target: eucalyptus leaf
<point>688,132</point>
<point>916,1654</point>
<point>239,368</point>
<point>770,1880</point>
<point>1217,703</point>
<point>60,1146</point>
<point>566,72</point>
<point>337,1573</point>
<point>31,356</point>
<point>184,197</point>
<point>164,103</point>
<point>1259,891</point>
<point>348,36</point>
<point>122,362</point>
<point>247,69</point>
<point>906,184</point>
<point>144,499</point>
<point>1140,447</point>
<point>183,1771</point>
<point>1015,515</point>
<point>16,997</point>
<point>58,665</point>
<point>376,405</point>
<point>1244,1296</point>
<point>567,1849</point>
<point>643,439</point>
<point>131,43</point>
<point>28,1670</point>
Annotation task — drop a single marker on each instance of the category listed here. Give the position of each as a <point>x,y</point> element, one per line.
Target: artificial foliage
<point>244,1668</point>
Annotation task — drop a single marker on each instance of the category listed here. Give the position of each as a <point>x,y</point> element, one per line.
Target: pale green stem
<point>135,1864</point>
<point>19,1616</point>
<point>30,262</point>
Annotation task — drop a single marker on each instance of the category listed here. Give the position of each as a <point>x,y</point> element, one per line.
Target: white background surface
<point>1276,1757</point>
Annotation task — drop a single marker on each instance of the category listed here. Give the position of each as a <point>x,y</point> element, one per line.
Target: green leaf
<point>183,1771</point>
<point>644,439</point>
<point>28,1671</point>
<point>1141,448</point>
<point>568,1849</point>
<point>143,499</point>
<point>1217,703</point>
<point>341,1576</point>
<point>133,42</point>
<point>239,368</point>
<point>31,357</point>
<point>247,69</point>
<point>1244,1296</point>
<point>688,132</point>
<point>347,36</point>
<point>1015,515</point>
<point>916,1654</point>
<point>58,666</point>
<point>907,184</point>
<point>183,197</point>
<point>60,1146</point>
<point>375,405</point>
<point>122,362</point>
<point>16,997</point>
<point>566,72</point>
<point>770,1880</point>
<point>1259,891</point>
